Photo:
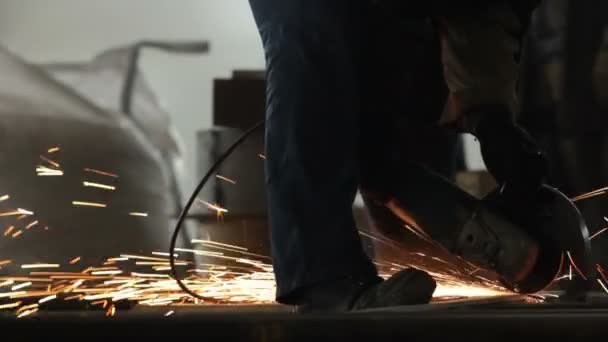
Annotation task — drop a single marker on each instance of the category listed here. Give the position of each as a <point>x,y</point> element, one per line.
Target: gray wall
<point>72,30</point>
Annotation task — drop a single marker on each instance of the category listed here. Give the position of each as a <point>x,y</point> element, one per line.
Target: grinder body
<point>525,243</point>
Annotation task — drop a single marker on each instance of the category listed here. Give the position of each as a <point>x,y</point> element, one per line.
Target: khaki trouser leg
<point>479,54</point>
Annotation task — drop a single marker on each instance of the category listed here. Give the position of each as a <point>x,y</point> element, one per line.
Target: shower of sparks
<point>29,266</point>
<point>103,173</point>
<point>98,185</point>
<point>9,230</point>
<point>134,213</point>
<point>89,204</point>
<point>590,194</point>
<point>226,179</point>
<point>234,279</point>
<point>53,149</point>
<point>4,198</point>
<point>598,233</point>
<point>32,224</point>
<point>231,274</point>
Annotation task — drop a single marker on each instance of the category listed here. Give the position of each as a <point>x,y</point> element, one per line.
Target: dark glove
<point>509,152</point>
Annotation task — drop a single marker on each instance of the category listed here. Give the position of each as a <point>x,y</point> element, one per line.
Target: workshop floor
<point>487,320</point>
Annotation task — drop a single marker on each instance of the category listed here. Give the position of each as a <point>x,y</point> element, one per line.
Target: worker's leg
<point>313,57</point>
<point>480,53</point>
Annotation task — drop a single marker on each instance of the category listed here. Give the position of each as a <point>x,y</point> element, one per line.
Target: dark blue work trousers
<point>331,89</point>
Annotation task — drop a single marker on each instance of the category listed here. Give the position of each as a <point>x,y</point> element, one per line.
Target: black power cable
<point>197,190</point>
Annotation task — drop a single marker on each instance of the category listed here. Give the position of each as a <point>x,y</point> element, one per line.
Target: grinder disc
<point>558,227</point>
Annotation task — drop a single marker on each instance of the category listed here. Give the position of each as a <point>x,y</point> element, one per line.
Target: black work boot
<point>407,287</point>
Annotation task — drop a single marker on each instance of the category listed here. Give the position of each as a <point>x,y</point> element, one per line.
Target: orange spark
<point>47,299</point>
<point>73,297</point>
<point>4,198</point>
<point>209,242</point>
<point>226,179</point>
<point>103,173</point>
<point>17,212</point>
<point>165,254</point>
<point>53,149</point>
<point>103,302</point>
<point>31,225</point>
<point>134,213</point>
<point>89,204</point>
<point>21,286</point>
<point>10,305</point>
<point>109,272</point>
<point>98,185</point>
<point>52,162</point>
<point>75,260</point>
<point>118,259</point>
<point>598,233</point>
<point>169,313</point>
<point>574,265</point>
<point>603,286</point>
<point>29,266</point>
<point>7,283</point>
<point>34,280</point>
<point>601,270</point>
<point>45,171</point>
<point>590,194</point>
<point>11,294</point>
<point>214,207</point>
<point>17,234</point>
<point>262,156</point>
<point>8,230</point>
<point>27,313</point>
<point>149,275</point>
